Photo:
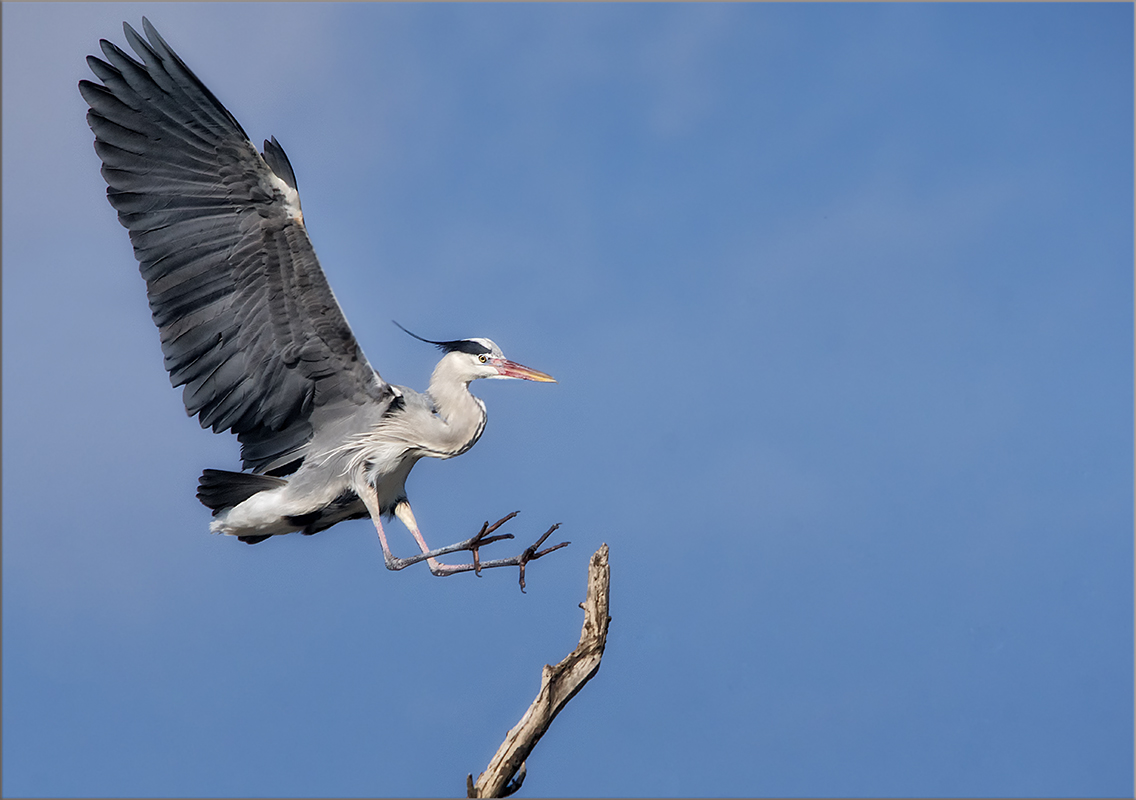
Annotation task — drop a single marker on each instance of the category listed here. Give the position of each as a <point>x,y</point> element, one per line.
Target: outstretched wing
<point>248,322</point>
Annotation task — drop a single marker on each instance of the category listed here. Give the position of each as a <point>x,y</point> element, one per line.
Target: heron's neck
<point>463,413</point>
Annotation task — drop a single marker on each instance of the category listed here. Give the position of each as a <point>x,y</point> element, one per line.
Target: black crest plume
<point>456,346</point>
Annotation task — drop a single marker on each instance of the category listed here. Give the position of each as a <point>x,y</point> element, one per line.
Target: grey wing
<point>247,320</point>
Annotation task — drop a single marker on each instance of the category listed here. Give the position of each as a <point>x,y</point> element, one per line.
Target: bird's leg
<point>531,553</point>
<point>406,515</point>
<point>371,501</point>
<point>402,511</point>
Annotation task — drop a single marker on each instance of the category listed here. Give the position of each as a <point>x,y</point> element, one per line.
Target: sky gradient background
<point>840,298</point>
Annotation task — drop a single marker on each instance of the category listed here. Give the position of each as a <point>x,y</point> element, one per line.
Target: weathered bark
<point>558,685</point>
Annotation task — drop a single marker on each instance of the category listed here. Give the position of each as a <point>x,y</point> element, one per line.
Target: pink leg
<point>406,516</point>
<point>371,502</point>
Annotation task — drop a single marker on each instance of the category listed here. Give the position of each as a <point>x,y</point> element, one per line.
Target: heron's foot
<point>482,537</point>
<point>530,553</point>
<point>474,545</point>
<point>477,541</point>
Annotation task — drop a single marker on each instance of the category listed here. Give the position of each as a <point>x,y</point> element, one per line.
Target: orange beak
<point>511,369</point>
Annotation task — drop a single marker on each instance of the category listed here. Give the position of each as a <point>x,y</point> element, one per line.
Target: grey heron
<point>249,325</point>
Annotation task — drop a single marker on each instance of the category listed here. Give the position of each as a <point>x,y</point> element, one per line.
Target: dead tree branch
<point>558,685</point>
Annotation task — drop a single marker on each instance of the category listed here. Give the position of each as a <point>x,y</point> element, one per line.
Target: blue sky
<point>840,299</point>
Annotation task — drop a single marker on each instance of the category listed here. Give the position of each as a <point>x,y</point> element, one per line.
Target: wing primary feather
<point>247,320</point>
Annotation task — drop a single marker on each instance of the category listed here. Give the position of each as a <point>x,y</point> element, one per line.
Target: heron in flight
<point>250,327</point>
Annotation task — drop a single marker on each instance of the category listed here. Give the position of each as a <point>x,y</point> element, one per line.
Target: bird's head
<point>471,359</point>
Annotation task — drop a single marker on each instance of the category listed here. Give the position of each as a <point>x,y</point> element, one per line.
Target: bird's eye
<point>483,358</point>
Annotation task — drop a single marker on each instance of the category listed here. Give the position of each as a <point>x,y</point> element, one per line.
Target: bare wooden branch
<point>558,685</point>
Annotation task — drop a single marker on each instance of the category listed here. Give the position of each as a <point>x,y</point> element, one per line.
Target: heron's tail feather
<point>219,489</point>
